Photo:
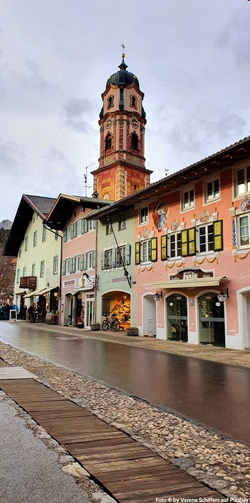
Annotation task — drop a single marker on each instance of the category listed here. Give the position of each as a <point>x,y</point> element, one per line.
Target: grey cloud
<point>10,156</point>
<point>235,37</point>
<point>74,111</point>
<point>225,127</point>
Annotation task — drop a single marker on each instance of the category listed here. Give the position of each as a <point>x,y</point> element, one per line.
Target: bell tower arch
<point>122,123</point>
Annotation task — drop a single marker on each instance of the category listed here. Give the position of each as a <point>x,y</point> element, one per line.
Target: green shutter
<point>93,258</point>
<point>84,261</point>
<point>137,253</point>
<point>94,224</point>
<point>64,267</point>
<point>164,241</point>
<point>65,235</point>
<point>74,229</point>
<point>218,235</point>
<point>84,225</point>
<point>81,263</point>
<point>154,249</point>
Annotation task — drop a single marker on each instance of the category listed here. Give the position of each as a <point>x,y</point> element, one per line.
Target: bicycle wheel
<point>105,325</point>
<point>117,325</point>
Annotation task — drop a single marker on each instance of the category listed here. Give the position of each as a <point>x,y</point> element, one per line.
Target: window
<point>122,223</point>
<point>108,142</point>
<point>206,238</point>
<point>133,101</point>
<point>33,270</point>
<point>42,268</point>
<point>44,234</point>
<point>55,264</point>
<point>35,238</point>
<point>146,251</point>
<point>78,227</point>
<point>243,238</point>
<point>120,256</point>
<point>242,183</point>
<point>108,228</point>
<point>212,190</point>
<point>143,215</point>
<point>69,232</point>
<point>134,141</point>
<point>18,276</point>
<point>24,271</point>
<point>110,101</point>
<point>26,242</point>
<point>90,259</point>
<point>174,246</point>
<point>188,199</point>
<point>109,259</point>
<point>20,253</point>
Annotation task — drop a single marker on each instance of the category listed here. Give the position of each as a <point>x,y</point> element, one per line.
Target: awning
<point>34,293</point>
<point>20,293</point>
<point>191,283</point>
<point>47,290</point>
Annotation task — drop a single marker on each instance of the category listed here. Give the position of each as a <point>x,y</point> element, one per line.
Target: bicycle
<point>112,324</point>
<point>69,321</point>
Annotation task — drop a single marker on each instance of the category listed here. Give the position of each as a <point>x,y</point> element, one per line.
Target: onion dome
<point>123,77</point>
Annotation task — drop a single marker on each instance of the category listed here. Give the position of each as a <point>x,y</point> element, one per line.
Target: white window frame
<point>239,219</point>
<point>55,264</point>
<point>146,250</point>
<point>214,193</point>
<point>122,223</point>
<point>33,270</point>
<point>187,203</point>
<point>89,259</point>
<point>35,239</point>
<point>207,235</point>
<point>18,276</point>
<point>44,234</point>
<point>143,215</point>
<point>175,239</point>
<point>42,268</point>
<point>244,187</point>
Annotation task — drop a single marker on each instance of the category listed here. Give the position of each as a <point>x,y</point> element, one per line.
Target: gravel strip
<point>222,463</point>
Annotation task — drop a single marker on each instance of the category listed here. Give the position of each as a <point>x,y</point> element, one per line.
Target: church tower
<point>122,123</point>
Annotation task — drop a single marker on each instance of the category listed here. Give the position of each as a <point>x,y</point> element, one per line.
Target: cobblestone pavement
<point>220,462</point>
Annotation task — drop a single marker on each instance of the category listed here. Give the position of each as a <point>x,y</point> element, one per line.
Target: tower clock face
<point>134,123</point>
<point>108,123</point>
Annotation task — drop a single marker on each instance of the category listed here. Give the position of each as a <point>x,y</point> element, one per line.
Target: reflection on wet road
<point>214,394</point>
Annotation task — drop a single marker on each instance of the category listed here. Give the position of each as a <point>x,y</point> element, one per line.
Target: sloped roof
<point>219,160</point>
<point>28,204</point>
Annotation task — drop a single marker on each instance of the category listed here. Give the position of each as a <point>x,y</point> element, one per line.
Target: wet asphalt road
<point>217,395</point>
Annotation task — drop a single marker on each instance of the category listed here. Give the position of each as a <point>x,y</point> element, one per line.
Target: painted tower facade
<point>122,123</point>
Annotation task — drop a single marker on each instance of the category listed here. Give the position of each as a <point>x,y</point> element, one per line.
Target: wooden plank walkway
<point>127,470</point>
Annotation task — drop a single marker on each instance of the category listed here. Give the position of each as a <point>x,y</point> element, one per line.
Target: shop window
<point>242,181</point>
<point>143,216</point>
<point>146,251</point>
<point>212,190</point>
<point>188,199</point>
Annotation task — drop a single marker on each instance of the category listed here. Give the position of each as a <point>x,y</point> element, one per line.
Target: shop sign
<point>191,274</point>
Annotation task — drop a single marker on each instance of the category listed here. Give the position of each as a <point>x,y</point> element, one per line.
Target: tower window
<point>134,141</point>
<point>108,141</point>
<point>110,101</point>
<point>133,101</point>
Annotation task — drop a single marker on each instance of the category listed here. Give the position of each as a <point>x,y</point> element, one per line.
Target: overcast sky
<point>192,59</point>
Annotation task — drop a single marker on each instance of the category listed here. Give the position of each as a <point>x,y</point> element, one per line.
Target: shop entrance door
<point>177,320</point>
<point>211,320</point>
<point>90,310</point>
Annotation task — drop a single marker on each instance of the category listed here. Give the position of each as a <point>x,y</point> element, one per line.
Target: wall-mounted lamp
<point>222,296</point>
<point>157,296</point>
<point>94,282</point>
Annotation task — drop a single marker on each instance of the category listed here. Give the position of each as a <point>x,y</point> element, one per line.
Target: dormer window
<point>110,101</point>
<point>108,141</point>
<point>134,141</point>
<point>133,101</point>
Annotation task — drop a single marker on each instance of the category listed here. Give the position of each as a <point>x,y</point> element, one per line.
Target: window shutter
<point>114,257</point>
<point>94,224</point>
<point>71,265</point>
<point>64,267</point>
<point>93,255</point>
<point>154,249</point>
<point>84,261</point>
<point>137,253</point>
<point>74,264</point>
<point>188,242</point>
<point>75,229</point>
<point>164,254</point>
<point>81,262</point>
<point>65,235</point>
<point>191,241</point>
<point>84,226</point>
<point>218,236</point>
<point>102,261</point>
<point>127,254</point>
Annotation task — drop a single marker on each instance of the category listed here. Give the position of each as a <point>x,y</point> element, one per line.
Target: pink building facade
<point>192,234</point>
